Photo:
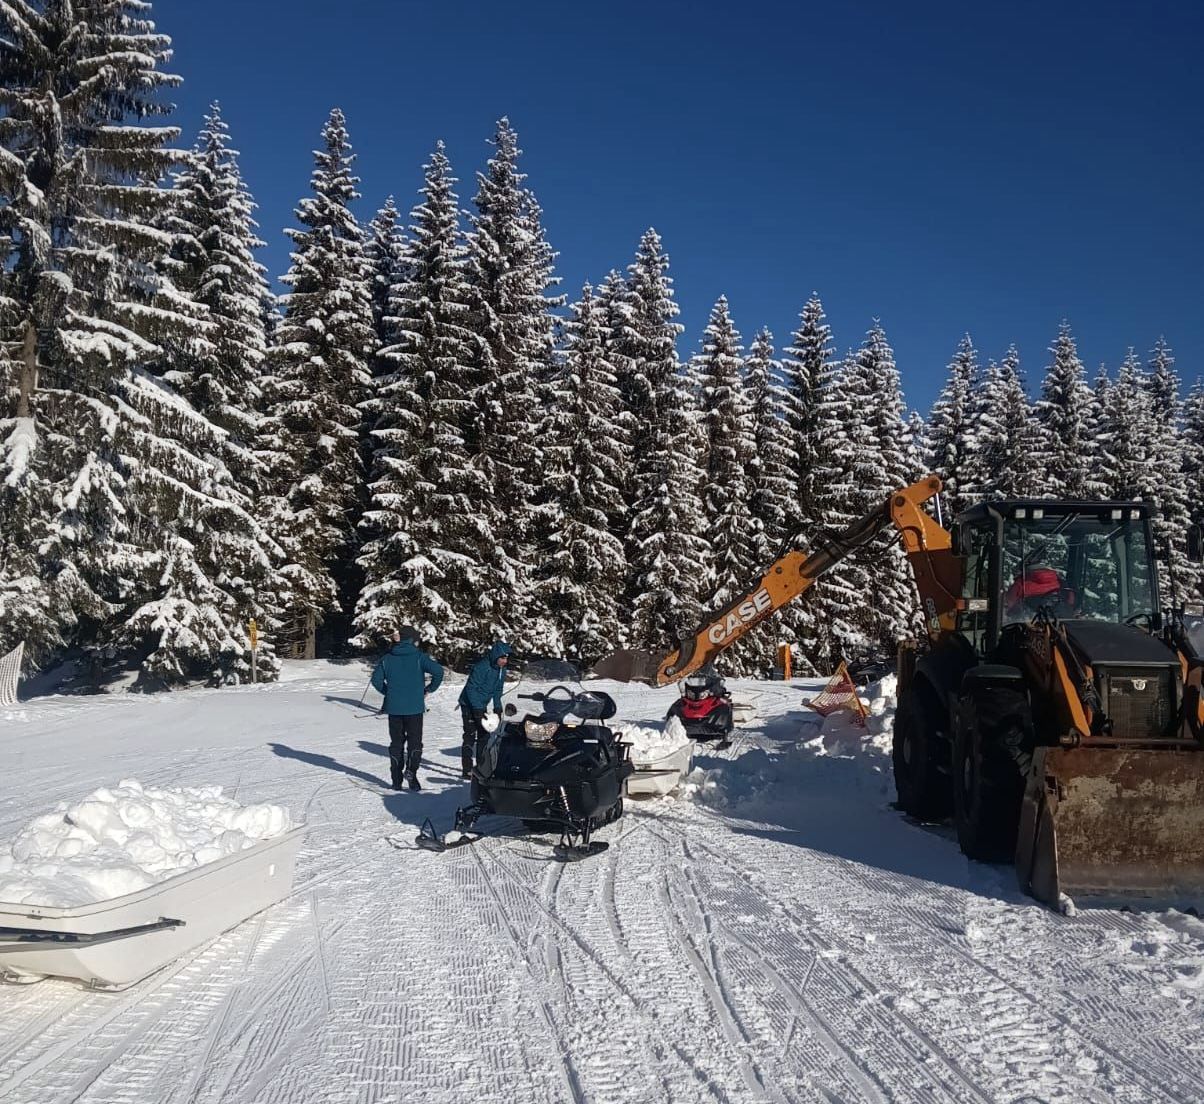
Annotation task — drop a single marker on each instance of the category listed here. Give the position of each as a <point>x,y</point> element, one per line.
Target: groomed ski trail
<point>779,935</point>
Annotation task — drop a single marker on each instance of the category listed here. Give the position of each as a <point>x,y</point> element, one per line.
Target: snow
<point>783,935</point>
<point>125,838</point>
<point>649,744</point>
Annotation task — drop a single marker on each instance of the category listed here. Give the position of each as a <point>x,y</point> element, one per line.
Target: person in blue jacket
<point>401,677</point>
<point>485,682</point>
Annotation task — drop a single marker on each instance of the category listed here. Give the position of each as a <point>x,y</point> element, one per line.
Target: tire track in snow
<point>844,977</point>
<point>1030,1035</point>
<point>568,1071</point>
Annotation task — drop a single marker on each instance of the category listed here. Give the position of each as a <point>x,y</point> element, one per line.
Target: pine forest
<point>423,427</point>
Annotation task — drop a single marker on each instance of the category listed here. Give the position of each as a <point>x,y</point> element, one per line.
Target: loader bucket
<point>627,665</point>
<point>1114,826</point>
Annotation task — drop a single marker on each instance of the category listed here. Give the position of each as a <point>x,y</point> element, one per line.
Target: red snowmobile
<point>705,709</point>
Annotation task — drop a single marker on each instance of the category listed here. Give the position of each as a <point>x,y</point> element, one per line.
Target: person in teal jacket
<point>486,680</point>
<point>401,676</point>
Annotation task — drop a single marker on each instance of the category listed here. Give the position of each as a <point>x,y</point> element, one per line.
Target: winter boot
<point>414,783</point>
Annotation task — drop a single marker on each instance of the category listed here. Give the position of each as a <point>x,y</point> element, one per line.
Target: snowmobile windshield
<point>551,669</point>
<point>1095,565</point>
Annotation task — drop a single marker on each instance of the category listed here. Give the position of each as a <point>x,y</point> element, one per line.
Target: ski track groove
<point>1042,1052</point>
<point>568,1071</point>
<point>850,983</point>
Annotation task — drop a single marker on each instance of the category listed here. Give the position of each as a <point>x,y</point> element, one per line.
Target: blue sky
<point>945,167</point>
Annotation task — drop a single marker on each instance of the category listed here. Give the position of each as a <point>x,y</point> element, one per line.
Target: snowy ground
<point>779,934</point>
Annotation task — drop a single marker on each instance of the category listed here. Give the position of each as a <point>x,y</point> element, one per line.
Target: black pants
<point>405,746</point>
<point>474,736</point>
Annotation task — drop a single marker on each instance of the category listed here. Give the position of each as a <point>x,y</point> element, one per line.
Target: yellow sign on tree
<point>253,629</point>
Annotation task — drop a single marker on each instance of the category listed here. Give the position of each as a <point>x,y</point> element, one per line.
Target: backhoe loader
<point>1054,710</point>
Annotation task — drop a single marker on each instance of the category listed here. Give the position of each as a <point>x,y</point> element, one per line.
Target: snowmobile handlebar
<point>927,544</point>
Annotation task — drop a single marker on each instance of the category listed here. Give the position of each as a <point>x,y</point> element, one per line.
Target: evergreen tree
<point>581,573</point>
<point>888,463</point>
<point>423,554</point>
<point>1124,436</point>
<point>951,426</point>
<point>109,472</point>
<point>214,262</point>
<point>1066,448</point>
<point>808,367</point>
<point>808,364</point>
<point>1167,458</point>
<point>1191,445</point>
<point>320,379</point>
<point>665,552</point>
<point>509,268</point>
<point>1002,464</point>
<point>771,470</point>
<point>727,452</point>
<point>385,251</point>
<point>771,482</point>
<point>839,603</point>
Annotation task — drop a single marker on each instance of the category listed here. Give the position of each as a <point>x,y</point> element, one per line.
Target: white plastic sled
<point>112,944</point>
<point>660,776</point>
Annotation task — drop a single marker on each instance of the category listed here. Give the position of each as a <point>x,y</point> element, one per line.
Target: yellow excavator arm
<point>928,547</point>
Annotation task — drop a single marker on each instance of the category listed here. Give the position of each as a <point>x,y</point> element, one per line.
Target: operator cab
<point>1024,558</point>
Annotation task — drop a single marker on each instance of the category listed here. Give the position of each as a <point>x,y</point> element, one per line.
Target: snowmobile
<point>705,708</point>
<point>559,770</point>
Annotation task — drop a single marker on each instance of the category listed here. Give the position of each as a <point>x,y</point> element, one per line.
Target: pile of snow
<point>120,840</point>
<point>650,744</point>
<point>763,778</point>
<point>841,735</point>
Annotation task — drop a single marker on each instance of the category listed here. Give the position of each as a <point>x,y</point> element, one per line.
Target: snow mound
<point>759,777</point>
<point>650,744</point>
<point>126,838</point>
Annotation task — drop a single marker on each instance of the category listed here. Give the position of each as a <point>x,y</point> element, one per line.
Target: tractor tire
<point>922,791</point>
<point>988,783</point>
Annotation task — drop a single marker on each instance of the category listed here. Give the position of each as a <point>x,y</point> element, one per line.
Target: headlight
<point>538,733</point>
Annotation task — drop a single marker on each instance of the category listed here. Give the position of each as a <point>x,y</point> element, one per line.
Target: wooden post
<point>253,630</point>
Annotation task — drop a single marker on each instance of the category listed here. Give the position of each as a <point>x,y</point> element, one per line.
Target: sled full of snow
<point>660,774</point>
<point>114,943</point>
<point>1114,826</point>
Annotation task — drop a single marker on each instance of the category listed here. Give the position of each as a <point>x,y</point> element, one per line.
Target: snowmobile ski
<point>430,840</point>
<point>568,852</point>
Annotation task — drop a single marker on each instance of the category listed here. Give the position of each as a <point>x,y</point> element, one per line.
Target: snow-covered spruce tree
<point>1124,436</point>
<point>213,261</point>
<point>839,604</point>
<point>510,275</point>
<point>1171,486</point>
<point>951,428</point>
<point>770,476</point>
<point>1191,446</point>
<point>1003,462</point>
<point>727,449</point>
<point>1066,448</point>
<point>424,554</point>
<point>613,307</point>
<point>320,376</point>
<point>580,566</point>
<point>808,363</point>
<point>139,491</point>
<point>666,553</point>
<point>771,470</point>
<point>385,250</point>
<point>893,463</point>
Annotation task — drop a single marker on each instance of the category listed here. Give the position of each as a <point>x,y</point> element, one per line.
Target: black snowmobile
<point>705,708</point>
<point>559,770</point>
